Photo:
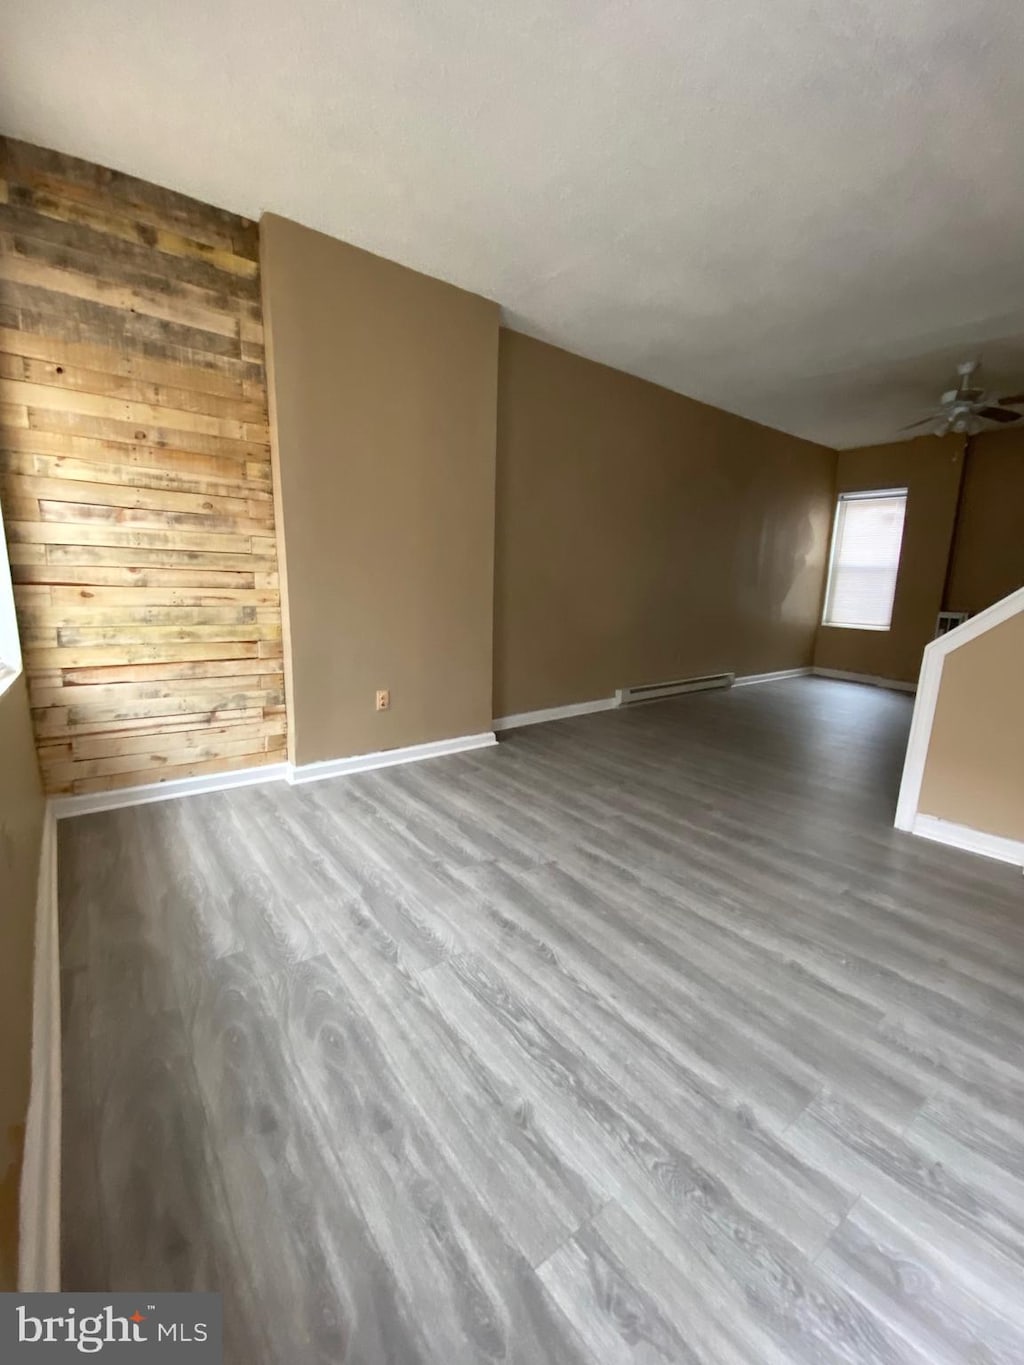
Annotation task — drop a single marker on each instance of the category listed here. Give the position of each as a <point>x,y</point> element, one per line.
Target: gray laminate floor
<point>642,1037</point>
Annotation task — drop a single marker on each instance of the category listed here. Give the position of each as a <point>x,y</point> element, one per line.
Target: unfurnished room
<point>512,682</point>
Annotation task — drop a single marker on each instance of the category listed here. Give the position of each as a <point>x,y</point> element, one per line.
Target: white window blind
<point>865,559</point>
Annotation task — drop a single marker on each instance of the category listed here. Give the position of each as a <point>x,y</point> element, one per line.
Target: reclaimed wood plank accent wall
<point>135,476</point>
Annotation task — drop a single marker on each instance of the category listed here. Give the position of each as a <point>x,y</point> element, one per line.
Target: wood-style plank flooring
<point>641,1038</point>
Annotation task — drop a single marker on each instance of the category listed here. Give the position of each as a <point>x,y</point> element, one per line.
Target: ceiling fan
<point>967,407</point>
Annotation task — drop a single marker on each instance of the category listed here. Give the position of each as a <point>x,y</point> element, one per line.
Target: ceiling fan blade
<point>922,423</point>
<point>1013,400</point>
<point>999,415</point>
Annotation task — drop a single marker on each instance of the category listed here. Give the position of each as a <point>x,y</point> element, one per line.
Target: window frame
<point>11,663</point>
<point>861,495</point>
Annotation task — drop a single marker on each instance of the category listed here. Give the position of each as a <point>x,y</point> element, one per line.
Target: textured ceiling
<point>805,211</point>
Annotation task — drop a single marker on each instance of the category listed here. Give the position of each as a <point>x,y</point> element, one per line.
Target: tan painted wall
<point>385,384</point>
<point>930,470</point>
<point>21,827</point>
<point>974,772</point>
<point>988,561</point>
<point>643,536</point>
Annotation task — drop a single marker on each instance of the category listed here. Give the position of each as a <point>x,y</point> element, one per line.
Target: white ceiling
<point>805,211</point>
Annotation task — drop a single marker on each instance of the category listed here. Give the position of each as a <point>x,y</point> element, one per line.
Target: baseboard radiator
<point>630,696</point>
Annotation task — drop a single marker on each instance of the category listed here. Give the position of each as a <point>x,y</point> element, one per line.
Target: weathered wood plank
<point>13,414</point>
<point>69,493</point>
<point>18,508</point>
<point>80,403</point>
<point>97,514</point>
<point>72,284</point>
<point>70,469</point>
<point>205,691</point>
<point>53,723</point>
<point>175,669</point>
<point>147,278</point>
<point>170,773</point>
<point>26,554</point>
<point>137,557</point>
<point>64,596</point>
<point>118,362</point>
<point>211,703</point>
<point>164,655</point>
<point>135,475</point>
<point>132,634</point>
<point>252,350</point>
<point>182,746</point>
<point>126,619</point>
<point>117,429</point>
<point>119,388</point>
<point>203,580</point>
<point>132,742</point>
<point>44,219</point>
<point>113,192</point>
<point>156,757</point>
<point>52,533</point>
<point>131,231</point>
<point>71,318</point>
<point>123,449</point>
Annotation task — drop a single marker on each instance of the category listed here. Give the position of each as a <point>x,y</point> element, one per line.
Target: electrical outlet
<point>383,699</point>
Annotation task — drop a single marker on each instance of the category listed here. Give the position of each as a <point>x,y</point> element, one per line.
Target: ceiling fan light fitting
<point>966,409</point>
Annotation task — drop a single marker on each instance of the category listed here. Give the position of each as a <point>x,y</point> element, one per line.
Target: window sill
<point>7,677</point>
<point>842,625</point>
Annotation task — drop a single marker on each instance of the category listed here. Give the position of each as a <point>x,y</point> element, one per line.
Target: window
<point>10,648</point>
<point>865,559</point>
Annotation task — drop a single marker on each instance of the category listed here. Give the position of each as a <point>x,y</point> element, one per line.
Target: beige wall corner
<point>267,241</point>
<point>988,554</point>
<point>384,407</point>
<point>21,831</point>
<point>974,770</point>
<point>929,469</point>
<point>644,536</point>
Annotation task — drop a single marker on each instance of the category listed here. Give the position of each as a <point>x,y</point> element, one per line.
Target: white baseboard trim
<point>577,708</point>
<point>587,708</point>
<point>970,840</point>
<point>388,758</point>
<point>894,683</point>
<point>748,679</point>
<point>64,806</point>
<point>39,1233</point>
